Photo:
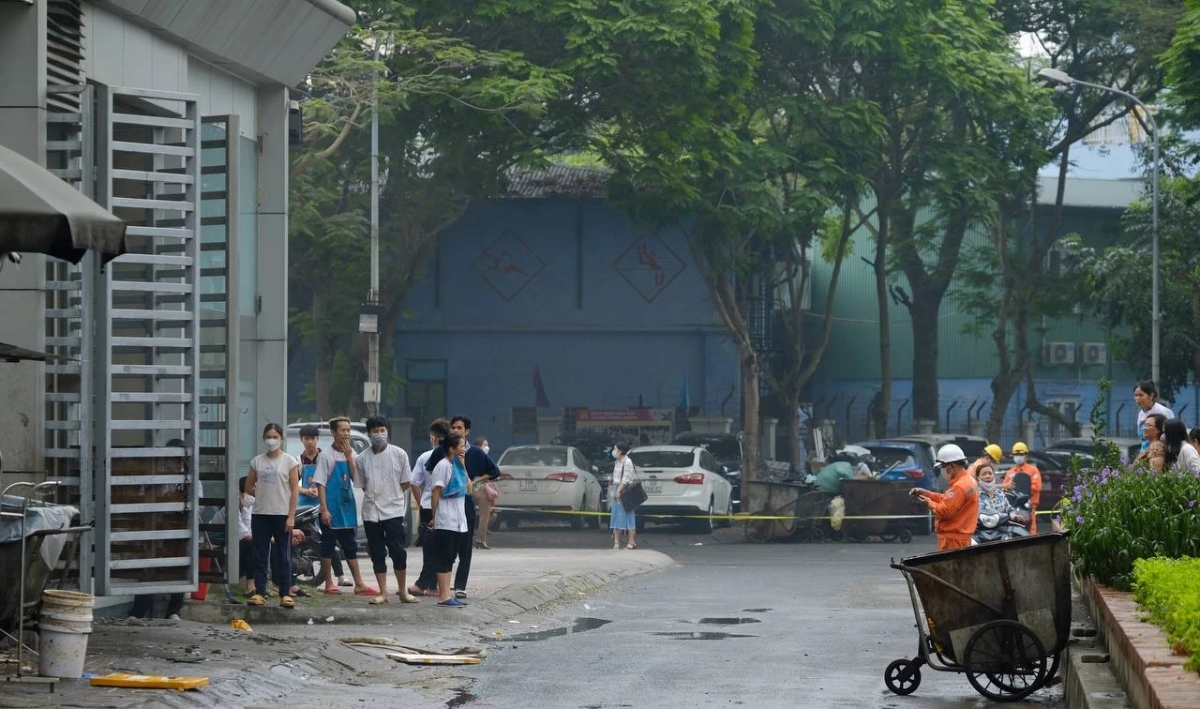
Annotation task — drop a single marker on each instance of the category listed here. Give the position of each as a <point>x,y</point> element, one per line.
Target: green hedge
<point>1169,590</point>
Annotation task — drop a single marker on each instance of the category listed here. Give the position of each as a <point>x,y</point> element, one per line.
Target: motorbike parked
<point>306,556</point>
<point>998,526</point>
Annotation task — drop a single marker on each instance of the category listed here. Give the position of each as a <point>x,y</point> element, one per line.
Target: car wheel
<point>577,519</point>
<point>641,523</point>
<point>494,522</point>
<point>727,521</point>
<point>707,523</point>
<point>593,518</point>
<point>512,523</point>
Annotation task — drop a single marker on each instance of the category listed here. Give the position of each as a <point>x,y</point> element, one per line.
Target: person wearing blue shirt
<point>334,479</point>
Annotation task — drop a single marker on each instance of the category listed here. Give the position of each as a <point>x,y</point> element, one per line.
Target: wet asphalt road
<point>778,625</point>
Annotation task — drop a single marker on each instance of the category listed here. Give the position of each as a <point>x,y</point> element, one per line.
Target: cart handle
<point>913,570</point>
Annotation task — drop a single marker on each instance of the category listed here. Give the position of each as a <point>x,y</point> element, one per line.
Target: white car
<point>683,481</point>
<point>548,478</point>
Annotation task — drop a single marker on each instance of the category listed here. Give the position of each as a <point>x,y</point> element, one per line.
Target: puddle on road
<point>757,610</point>
<point>462,698</point>
<point>728,621</point>
<point>703,636</point>
<point>580,625</point>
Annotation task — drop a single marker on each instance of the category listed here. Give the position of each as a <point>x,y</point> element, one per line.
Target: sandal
<point>408,598</point>
<point>287,602</point>
<point>333,590</point>
<point>366,591</point>
<point>256,600</point>
<point>631,545</point>
<point>301,593</point>
<point>377,601</point>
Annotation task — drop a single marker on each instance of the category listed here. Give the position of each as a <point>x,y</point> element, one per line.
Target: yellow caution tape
<point>737,517</point>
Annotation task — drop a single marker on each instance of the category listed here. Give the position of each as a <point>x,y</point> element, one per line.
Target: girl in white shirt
<point>274,483</point>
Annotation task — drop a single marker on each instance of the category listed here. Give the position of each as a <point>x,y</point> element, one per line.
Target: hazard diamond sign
<point>649,265</point>
<point>508,265</point>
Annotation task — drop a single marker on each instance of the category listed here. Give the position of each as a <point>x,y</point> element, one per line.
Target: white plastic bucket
<point>63,628</point>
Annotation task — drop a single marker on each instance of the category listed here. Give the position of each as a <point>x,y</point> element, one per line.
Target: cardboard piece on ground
<point>415,659</point>
<point>122,679</point>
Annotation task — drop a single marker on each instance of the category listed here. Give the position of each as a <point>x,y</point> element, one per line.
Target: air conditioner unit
<point>1094,353</point>
<point>1058,353</point>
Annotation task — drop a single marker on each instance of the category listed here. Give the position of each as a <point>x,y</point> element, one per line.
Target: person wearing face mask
<point>1020,453</point>
<point>385,477</point>
<point>620,520</point>
<point>485,500</point>
<point>274,483</point>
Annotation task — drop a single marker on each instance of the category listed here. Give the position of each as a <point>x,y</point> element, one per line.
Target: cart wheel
<point>1004,660</point>
<point>888,537</point>
<point>818,533</point>
<point>902,677</point>
<point>759,530</point>
<point>1054,660</point>
<point>905,535</point>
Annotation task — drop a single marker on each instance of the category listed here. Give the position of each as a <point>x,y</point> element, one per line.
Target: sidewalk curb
<point>1089,681</point>
<point>510,600</point>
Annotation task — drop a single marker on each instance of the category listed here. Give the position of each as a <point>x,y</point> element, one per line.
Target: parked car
<point>1084,448</point>
<point>537,479</point>
<point>727,449</point>
<point>1054,467</point>
<point>683,480</point>
<point>902,461</point>
<point>597,447</point>
<point>972,447</point>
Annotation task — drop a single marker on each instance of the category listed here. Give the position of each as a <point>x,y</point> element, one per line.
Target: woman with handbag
<point>485,496</point>
<point>624,476</point>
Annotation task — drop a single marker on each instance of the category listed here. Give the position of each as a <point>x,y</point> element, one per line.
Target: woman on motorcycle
<point>991,497</point>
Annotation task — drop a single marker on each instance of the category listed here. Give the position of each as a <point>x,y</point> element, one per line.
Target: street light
<point>1056,76</point>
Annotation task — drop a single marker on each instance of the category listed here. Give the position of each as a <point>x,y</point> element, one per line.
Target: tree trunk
<point>924,313</point>
<point>884,401</point>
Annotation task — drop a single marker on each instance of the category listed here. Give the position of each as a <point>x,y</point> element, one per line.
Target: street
<point>733,624</point>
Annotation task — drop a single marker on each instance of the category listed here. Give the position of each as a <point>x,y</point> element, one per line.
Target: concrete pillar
<point>271,301</point>
<point>977,428</point>
<point>711,424</point>
<point>926,426</point>
<point>1087,430</point>
<point>769,428</point>
<point>22,319</point>
<point>548,427</point>
<point>1029,433</point>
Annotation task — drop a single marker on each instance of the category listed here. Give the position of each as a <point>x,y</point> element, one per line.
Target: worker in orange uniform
<point>955,511</point>
<point>1024,467</point>
<point>992,454</point>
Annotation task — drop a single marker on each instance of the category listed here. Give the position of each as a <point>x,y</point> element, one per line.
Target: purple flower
<point>1078,519</point>
<point>1191,504</point>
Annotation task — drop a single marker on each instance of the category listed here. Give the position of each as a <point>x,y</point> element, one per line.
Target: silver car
<point>553,479</point>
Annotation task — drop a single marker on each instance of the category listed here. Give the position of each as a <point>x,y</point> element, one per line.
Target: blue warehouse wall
<point>610,316</point>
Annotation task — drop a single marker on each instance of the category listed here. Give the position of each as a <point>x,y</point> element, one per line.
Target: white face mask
<point>485,448</point>
<point>1018,459</point>
<point>379,439</point>
<point>616,453</point>
<point>272,443</point>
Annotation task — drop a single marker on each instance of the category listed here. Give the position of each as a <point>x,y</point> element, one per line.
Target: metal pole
<point>372,400</point>
<point>1155,307</point>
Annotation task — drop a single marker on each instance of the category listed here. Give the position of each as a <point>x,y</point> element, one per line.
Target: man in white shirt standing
<point>426,584</point>
<point>384,476</point>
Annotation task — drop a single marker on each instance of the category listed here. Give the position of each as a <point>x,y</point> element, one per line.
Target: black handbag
<point>634,494</point>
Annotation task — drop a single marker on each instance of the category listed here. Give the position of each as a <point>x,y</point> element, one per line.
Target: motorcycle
<point>998,526</point>
<point>306,556</point>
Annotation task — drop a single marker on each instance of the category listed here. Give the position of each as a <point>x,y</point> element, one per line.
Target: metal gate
<point>146,322</point>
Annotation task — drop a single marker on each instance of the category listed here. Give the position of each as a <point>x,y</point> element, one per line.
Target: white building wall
<point>222,93</point>
<point>118,52</point>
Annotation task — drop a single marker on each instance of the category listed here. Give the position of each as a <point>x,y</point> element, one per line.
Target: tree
<point>454,119</point>
<point>1012,283</point>
<point>1117,284</point>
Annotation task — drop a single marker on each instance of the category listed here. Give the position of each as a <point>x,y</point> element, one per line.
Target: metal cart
<point>792,511</point>
<point>31,554</point>
<point>881,508</point>
<point>999,612</point>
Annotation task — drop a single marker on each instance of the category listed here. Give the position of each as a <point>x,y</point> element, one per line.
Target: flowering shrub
<point>1121,513</point>
<point>1169,591</point>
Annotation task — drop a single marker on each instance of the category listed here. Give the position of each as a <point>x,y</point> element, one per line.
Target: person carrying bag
<point>625,496</point>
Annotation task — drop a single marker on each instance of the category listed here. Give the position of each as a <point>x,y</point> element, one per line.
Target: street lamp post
<point>1056,76</point>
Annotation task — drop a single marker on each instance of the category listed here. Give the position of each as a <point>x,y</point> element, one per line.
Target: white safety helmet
<point>950,453</point>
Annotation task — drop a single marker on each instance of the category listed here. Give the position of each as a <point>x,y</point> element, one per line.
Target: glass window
<point>663,459</point>
<point>538,456</point>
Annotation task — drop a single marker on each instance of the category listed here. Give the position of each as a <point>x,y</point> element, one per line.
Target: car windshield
<point>662,459</point>
<point>892,457</point>
<point>721,448</point>
<point>534,456</point>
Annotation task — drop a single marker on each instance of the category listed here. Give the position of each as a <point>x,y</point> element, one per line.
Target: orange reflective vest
<point>956,511</point>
